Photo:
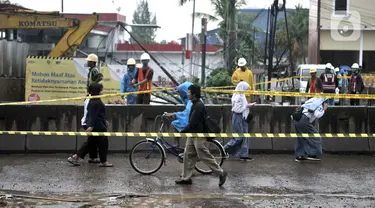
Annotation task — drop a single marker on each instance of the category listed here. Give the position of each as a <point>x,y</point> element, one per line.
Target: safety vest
<point>147,85</point>
<point>313,88</point>
<point>329,82</point>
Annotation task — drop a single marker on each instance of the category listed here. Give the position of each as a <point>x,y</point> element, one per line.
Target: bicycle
<point>159,146</point>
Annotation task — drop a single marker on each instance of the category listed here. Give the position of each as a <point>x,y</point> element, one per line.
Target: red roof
<point>159,47</point>
<point>103,17</point>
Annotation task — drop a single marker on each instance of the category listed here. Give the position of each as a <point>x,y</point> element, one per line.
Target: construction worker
<point>126,83</point>
<point>314,84</point>
<point>143,80</point>
<point>330,82</point>
<point>356,83</point>
<point>243,73</point>
<point>94,76</point>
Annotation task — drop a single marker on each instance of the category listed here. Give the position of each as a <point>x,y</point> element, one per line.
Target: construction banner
<point>55,78</point>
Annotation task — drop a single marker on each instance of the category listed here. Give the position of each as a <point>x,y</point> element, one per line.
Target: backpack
<point>297,114</point>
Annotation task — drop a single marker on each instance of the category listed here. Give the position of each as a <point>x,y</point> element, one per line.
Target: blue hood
<point>183,90</point>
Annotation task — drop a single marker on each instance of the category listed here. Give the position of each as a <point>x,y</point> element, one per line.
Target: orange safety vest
<point>313,88</point>
<point>147,85</point>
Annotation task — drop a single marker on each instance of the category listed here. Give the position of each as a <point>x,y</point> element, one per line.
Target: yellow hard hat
<point>131,61</point>
<point>92,57</point>
<point>312,70</point>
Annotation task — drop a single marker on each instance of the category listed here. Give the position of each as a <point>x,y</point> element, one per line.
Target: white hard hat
<point>241,62</point>
<point>355,66</point>
<point>337,69</point>
<point>145,56</point>
<point>329,66</point>
<point>92,57</point>
<point>131,61</point>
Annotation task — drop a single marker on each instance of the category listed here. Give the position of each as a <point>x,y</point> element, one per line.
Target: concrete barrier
<point>141,118</point>
<point>51,118</point>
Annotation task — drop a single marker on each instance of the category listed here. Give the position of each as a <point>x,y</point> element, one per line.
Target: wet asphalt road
<point>268,181</point>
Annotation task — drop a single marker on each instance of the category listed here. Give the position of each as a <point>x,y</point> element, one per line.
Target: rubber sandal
<point>106,165</point>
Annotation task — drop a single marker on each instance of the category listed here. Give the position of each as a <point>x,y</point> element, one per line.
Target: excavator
<point>30,19</point>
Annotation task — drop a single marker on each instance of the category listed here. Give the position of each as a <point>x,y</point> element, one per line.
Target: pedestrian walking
<point>195,147</point>
<point>239,147</point>
<point>97,122</point>
<point>84,149</point>
<point>356,84</point>
<point>126,83</point>
<point>309,148</point>
<point>143,80</point>
<point>243,73</point>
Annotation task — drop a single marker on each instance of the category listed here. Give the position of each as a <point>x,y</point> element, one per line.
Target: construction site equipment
<point>30,19</point>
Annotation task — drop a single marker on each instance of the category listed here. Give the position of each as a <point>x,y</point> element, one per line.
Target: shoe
<point>223,178</point>
<point>247,158</point>
<point>73,161</point>
<point>226,155</point>
<point>183,182</point>
<point>180,158</point>
<point>313,158</point>
<point>94,160</point>
<point>300,159</point>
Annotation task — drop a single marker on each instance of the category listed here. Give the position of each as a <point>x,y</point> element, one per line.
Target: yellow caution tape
<point>84,97</point>
<point>198,135</point>
<point>295,94</point>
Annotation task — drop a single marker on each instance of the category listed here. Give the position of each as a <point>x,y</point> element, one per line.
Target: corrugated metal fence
<point>13,58</point>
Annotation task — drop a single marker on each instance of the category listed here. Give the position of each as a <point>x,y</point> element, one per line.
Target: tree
<point>219,77</point>
<point>142,15</point>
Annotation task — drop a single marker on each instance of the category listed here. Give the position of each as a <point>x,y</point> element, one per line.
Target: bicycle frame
<point>173,149</point>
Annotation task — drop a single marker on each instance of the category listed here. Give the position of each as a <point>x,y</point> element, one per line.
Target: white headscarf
<point>239,101</point>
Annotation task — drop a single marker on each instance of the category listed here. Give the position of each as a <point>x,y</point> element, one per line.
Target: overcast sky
<point>174,20</point>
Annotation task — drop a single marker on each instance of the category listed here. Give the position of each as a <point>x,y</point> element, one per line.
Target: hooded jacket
<point>96,114</point>
<point>182,118</point>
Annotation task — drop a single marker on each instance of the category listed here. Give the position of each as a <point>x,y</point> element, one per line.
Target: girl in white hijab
<point>238,147</point>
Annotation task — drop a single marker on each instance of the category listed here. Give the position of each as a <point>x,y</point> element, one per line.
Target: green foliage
<point>142,15</point>
<point>219,77</point>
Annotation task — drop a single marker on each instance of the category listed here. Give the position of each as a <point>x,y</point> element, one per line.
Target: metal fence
<point>13,58</point>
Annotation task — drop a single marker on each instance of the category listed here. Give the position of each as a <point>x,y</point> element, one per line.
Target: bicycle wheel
<point>217,151</point>
<point>147,157</point>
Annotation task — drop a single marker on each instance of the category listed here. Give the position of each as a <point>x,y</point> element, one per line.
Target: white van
<point>303,70</point>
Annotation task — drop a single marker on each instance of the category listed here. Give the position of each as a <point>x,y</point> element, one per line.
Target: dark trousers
<point>144,98</point>
<point>100,143</point>
<point>354,101</point>
<point>85,148</point>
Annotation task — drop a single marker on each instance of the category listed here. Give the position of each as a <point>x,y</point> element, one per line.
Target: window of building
<point>341,6</point>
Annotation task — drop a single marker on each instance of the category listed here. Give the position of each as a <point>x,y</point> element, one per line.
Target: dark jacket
<point>356,84</point>
<point>96,115</point>
<point>197,118</point>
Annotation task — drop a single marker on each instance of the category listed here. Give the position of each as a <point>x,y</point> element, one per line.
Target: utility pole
<point>314,33</point>
<point>62,6</point>
<point>204,44</point>
<point>192,34</point>
<point>253,48</point>
<point>232,33</point>
<point>267,37</point>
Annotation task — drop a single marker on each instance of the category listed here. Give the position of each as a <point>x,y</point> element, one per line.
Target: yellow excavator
<point>30,19</point>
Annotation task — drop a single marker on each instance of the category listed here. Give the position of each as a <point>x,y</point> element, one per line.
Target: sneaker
<point>223,178</point>
<point>247,158</point>
<point>94,160</point>
<point>74,161</point>
<point>226,155</point>
<point>300,159</point>
<point>184,182</point>
<point>180,158</point>
<point>313,158</point>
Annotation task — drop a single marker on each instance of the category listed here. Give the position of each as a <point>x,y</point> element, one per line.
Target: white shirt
<point>318,113</point>
<point>85,105</point>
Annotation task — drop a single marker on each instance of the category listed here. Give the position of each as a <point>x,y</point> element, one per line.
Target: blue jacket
<point>128,77</point>
<point>182,118</point>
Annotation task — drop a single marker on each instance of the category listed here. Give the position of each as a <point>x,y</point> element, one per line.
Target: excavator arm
<point>30,19</point>
<point>73,38</point>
